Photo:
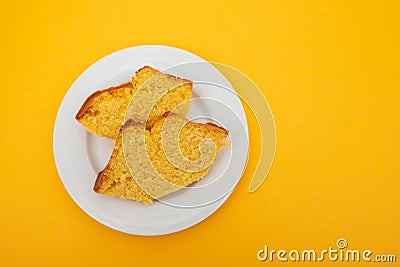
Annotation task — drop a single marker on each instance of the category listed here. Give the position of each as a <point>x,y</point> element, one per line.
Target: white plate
<point>79,156</point>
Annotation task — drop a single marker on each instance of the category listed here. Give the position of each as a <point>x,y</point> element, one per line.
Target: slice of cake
<point>158,168</point>
<point>103,112</point>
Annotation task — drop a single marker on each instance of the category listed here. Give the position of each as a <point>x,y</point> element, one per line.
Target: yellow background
<point>329,69</point>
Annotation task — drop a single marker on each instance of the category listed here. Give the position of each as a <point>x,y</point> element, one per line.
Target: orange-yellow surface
<point>329,69</point>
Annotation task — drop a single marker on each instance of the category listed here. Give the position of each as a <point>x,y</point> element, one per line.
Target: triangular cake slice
<point>103,112</point>
<point>116,180</point>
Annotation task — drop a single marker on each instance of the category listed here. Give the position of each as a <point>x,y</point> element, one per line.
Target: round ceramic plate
<point>79,155</point>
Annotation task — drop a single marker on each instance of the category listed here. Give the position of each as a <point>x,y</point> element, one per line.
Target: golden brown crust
<point>157,71</point>
<point>178,78</point>
<point>89,101</point>
<point>99,180</point>
<point>215,126</point>
<point>146,67</point>
<point>130,123</point>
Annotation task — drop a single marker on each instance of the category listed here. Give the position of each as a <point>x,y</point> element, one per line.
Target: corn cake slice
<point>103,112</point>
<point>116,179</point>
